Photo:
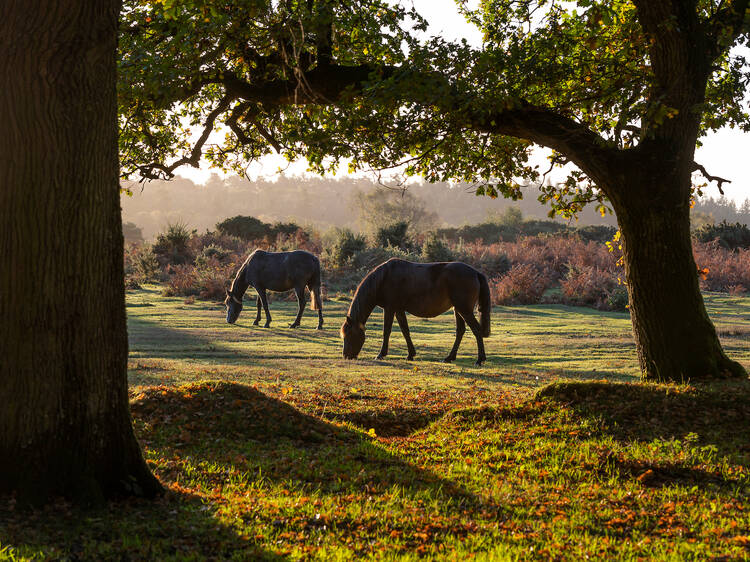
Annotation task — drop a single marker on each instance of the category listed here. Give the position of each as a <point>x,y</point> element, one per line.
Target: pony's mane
<point>364,297</point>
<point>240,277</point>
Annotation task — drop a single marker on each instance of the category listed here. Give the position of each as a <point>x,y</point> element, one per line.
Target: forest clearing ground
<point>272,446</point>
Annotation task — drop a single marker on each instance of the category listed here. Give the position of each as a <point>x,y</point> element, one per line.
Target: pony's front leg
<point>387,325</point>
<point>460,330</point>
<point>401,317</point>
<point>264,300</point>
<point>300,306</point>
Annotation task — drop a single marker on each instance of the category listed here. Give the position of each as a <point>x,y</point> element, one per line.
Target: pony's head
<point>234,307</point>
<point>353,334</point>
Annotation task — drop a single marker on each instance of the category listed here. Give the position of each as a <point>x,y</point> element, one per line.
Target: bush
<point>233,244</point>
<point>588,286</point>
<point>730,236</point>
<point>171,246</point>
<point>212,255</point>
<point>245,228</point>
<point>145,265</point>
<point>208,282</point>
<point>286,228</point>
<point>372,257</point>
<point>523,284</point>
<point>618,299</point>
<point>434,249</point>
<point>596,233</point>
<point>345,246</point>
<point>132,233</point>
<point>394,234</point>
<point>721,269</point>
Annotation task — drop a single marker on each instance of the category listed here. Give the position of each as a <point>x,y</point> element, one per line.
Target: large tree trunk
<point>65,425</point>
<point>675,338</point>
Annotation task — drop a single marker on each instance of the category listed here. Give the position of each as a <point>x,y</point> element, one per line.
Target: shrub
<point>207,283</point>
<point>721,269</point>
<point>730,236</point>
<point>245,228</point>
<point>287,228</point>
<point>434,249</point>
<point>233,244</point>
<point>618,298</point>
<point>145,265</point>
<point>372,257</point>
<point>588,286</point>
<point>172,245</point>
<point>211,255</point>
<point>345,246</point>
<point>523,284</point>
<point>595,233</point>
<point>300,239</point>
<point>132,233</point>
<point>394,234</point>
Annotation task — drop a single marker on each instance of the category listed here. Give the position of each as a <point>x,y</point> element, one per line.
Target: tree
<point>65,426</point>
<point>378,208</point>
<point>621,89</point>
<point>132,233</point>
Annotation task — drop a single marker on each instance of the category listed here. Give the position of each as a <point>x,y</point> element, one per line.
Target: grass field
<point>271,446</point>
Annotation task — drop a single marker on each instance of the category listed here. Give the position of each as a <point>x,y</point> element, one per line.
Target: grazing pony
<point>276,271</point>
<point>422,289</point>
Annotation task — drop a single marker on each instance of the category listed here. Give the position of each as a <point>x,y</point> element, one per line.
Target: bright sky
<point>723,153</point>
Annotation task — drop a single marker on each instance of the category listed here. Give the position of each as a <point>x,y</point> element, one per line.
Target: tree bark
<point>65,426</point>
<point>675,339</point>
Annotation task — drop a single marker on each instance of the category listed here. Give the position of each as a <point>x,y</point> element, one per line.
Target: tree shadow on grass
<point>240,468</point>
<point>233,438</point>
<point>231,423</point>
<point>716,416</point>
<point>176,526</point>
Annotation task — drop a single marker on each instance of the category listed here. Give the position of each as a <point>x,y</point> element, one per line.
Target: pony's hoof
<point>320,327</point>
<point>449,359</point>
<point>255,323</point>
<point>379,357</point>
<point>410,358</point>
<point>294,325</point>
<point>266,325</point>
<point>479,362</point>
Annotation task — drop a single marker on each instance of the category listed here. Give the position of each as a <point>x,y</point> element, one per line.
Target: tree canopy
<point>356,80</point>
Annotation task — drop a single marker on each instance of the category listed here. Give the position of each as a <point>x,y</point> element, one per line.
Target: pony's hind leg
<point>300,292</point>
<point>387,325</point>
<point>460,330</point>
<point>476,329</point>
<point>259,305</point>
<point>264,300</point>
<point>316,293</point>
<point>401,317</point>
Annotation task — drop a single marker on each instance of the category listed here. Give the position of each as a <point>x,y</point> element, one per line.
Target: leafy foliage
<point>434,249</point>
<point>731,236</point>
<point>346,245</point>
<point>171,246</point>
<point>395,234</point>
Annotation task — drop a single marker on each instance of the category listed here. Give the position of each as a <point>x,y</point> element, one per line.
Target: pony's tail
<point>485,304</point>
<point>314,286</point>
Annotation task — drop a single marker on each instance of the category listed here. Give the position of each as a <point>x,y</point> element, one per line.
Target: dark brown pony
<point>421,289</point>
<point>276,271</point>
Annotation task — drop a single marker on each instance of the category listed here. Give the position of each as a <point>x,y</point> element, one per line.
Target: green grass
<point>271,446</point>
